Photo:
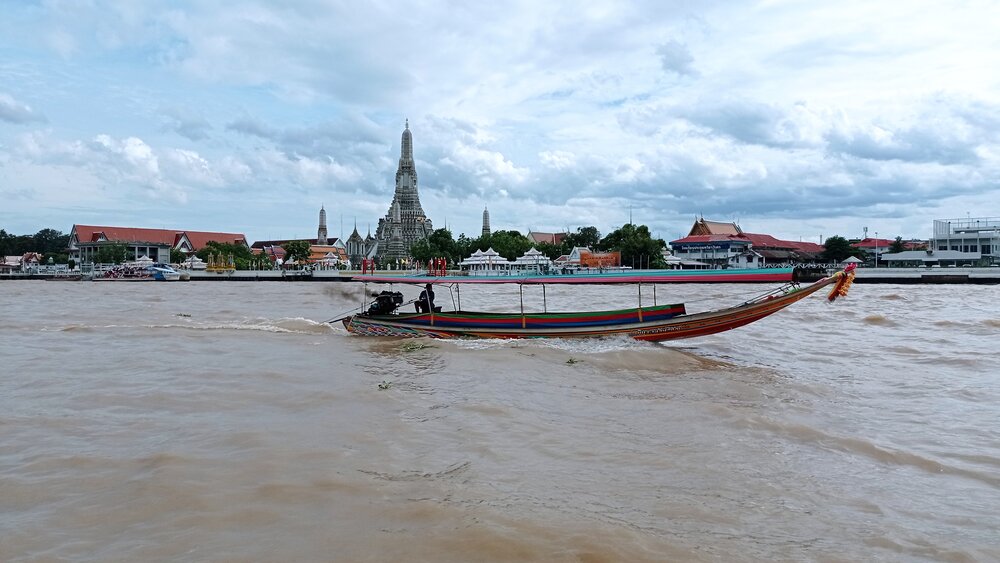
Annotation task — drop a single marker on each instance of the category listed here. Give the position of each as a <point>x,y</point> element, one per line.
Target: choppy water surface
<point>224,421</point>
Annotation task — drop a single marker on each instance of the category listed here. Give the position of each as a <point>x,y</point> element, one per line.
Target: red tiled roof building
<point>723,243</point>
<point>84,240</point>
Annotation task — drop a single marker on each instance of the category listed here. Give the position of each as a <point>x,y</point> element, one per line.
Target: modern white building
<point>975,235</point>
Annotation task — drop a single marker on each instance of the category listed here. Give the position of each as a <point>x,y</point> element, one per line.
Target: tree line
<point>50,243</point>
<point>637,246</point>
<point>838,249</point>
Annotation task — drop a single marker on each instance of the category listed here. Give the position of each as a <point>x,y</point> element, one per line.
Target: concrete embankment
<point>273,275</point>
<point>980,276</point>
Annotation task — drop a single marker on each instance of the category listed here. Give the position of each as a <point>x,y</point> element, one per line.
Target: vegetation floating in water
<point>413,345</point>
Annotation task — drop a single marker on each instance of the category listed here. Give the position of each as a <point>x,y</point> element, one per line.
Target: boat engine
<point>385,303</point>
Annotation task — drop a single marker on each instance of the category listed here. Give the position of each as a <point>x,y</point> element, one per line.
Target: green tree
<point>45,241</point>
<point>509,244</point>
<point>438,244</point>
<point>421,250</point>
<point>588,237</point>
<point>112,253</point>
<point>464,247</point>
<point>296,250</point>
<point>838,249</point>
<point>897,245</point>
<point>243,257</point>
<point>51,241</point>
<point>177,256</point>
<point>57,257</point>
<point>552,251</point>
<point>637,246</point>
<point>5,243</point>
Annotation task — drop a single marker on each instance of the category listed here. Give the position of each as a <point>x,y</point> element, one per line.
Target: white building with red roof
<point>86,240</point>
<point>725,244</point>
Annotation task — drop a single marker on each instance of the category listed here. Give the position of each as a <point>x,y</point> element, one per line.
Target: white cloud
<point>189,168</point>
<point>560,160</point>
<point>489,167</point>
<point>133,152</point>
<point>13,111</point>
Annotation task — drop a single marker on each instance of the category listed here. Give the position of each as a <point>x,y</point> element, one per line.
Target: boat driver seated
<point>425,303</point>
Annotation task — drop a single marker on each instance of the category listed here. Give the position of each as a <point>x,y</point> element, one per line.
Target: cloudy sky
<point>800,119</point>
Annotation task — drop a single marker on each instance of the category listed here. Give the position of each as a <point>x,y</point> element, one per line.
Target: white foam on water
<point>575,345</point>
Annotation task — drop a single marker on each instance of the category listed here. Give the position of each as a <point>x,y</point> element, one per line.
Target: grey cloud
<point>744,120</point>
<point>917,144</point>
<point>337,135</point>
<point>944,131</point>
<point>252,127</point>
<point>676,57</point>
<point>13,111</point>
<point>186,123</point>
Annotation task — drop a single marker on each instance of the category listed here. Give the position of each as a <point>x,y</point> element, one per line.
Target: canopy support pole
<point>520,288</point>
<point>654,295</point>
<point>545,306</point>
<point>430,305</point>
<point>640,302</point>
<point>458,291</point>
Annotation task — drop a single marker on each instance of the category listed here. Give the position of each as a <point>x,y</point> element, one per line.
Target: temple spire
<point>405,222</point>
<point>321,235</point>
<point>406,145</point>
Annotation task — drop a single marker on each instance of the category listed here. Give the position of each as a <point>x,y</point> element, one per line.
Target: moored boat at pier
<point>138,272</point>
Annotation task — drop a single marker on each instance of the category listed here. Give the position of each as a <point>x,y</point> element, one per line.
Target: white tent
<point>194,263</point>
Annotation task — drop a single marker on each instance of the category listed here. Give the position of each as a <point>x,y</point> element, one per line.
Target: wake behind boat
<point>656,323</point>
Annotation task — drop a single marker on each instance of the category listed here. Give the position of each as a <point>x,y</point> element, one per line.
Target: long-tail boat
<point>655,323</point>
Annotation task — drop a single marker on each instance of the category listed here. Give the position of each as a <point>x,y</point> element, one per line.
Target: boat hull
<point>669,322</point>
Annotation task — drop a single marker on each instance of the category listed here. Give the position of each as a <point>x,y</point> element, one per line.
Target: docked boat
<point>655,323</point>
<point>65,276</point>
<point>138,272</point>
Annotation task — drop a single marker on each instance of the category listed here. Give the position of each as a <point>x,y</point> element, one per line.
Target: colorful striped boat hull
<point>665,322</point>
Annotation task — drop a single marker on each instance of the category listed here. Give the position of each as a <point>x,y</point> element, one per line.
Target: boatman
<point>425,303</point>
